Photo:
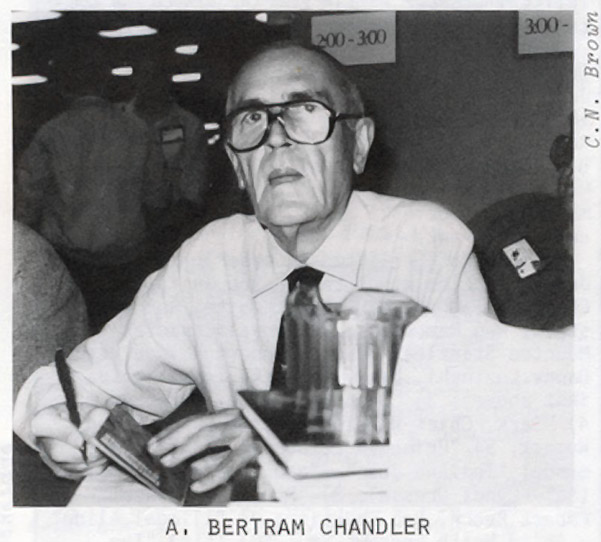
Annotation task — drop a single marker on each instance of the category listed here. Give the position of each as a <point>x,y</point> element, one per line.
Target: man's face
<point>292,184</point>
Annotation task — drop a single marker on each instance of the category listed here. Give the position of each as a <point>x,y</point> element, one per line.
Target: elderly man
<point>295,134</point>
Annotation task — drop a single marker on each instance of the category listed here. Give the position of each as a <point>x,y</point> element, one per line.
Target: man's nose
<point>277,135</point>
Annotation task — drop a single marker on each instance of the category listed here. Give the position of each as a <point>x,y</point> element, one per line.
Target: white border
<point>580,523</point>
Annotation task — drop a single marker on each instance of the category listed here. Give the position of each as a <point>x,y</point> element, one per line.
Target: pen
<point>64,377</point>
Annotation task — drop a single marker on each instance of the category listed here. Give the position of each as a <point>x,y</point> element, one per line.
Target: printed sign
<point>545,32</point>
<point>359,38</point>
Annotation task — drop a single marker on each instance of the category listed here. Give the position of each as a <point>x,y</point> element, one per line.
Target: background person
<point>48,309</point>
<point>49,312</point>
<point>87,185</point>
<point>535,288</point>
<point>180,153</point>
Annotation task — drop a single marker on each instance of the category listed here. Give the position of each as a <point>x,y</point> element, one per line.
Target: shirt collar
<point>339,255</point>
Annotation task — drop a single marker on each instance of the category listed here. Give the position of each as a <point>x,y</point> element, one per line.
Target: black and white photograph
<point>316,272</point>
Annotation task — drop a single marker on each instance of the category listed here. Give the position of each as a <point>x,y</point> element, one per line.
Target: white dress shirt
<point>210,317</point>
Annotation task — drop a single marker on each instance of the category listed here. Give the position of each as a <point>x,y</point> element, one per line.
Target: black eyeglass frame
<point>271,118</point>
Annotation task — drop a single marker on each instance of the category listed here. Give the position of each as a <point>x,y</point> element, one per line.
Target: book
<point>275,483</point>
<point>124,440</point>
<point>316,433</point>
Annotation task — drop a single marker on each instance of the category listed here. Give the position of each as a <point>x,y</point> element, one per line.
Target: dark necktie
<point>306,276</point>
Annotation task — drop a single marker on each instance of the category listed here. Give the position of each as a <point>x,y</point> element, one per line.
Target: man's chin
<point>286,218</point>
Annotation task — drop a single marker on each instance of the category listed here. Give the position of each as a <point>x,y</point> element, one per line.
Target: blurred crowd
<point>113,187</point>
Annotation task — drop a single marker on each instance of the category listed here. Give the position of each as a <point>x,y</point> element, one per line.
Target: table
<point>486,416</point>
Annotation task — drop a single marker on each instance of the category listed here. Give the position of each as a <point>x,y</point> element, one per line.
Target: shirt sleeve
<point>144,358</point>
<point>437,251</point>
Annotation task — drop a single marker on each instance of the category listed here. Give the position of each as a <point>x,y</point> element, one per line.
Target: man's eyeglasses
<point>308,122</point>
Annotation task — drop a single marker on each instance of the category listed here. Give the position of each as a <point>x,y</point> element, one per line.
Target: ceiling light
<point>15,46</point>
<point>30,16</point>
<point>187,49</point>
<point>28,80</point>
<point>128,32</point>
<point>275,18</point>
<point>122,71</point>
<point>211,126</point>
<point>186,77</point>
<point>213,139</point>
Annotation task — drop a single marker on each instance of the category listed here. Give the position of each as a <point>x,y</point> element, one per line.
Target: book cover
<point>124,441</point>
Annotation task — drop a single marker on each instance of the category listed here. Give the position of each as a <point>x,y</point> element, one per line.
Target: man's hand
<point>196,434</point>
<point>60,442</point>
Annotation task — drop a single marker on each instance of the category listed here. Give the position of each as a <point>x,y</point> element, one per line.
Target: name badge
<point>172,134</point>
<point>523,258</point>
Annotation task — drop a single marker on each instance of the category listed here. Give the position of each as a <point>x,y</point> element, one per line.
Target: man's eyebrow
<point>251,102</point>
<point>322,95</point>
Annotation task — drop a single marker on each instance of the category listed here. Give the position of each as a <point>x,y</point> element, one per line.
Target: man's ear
<point>364,136</point>
<point>234,159</point>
